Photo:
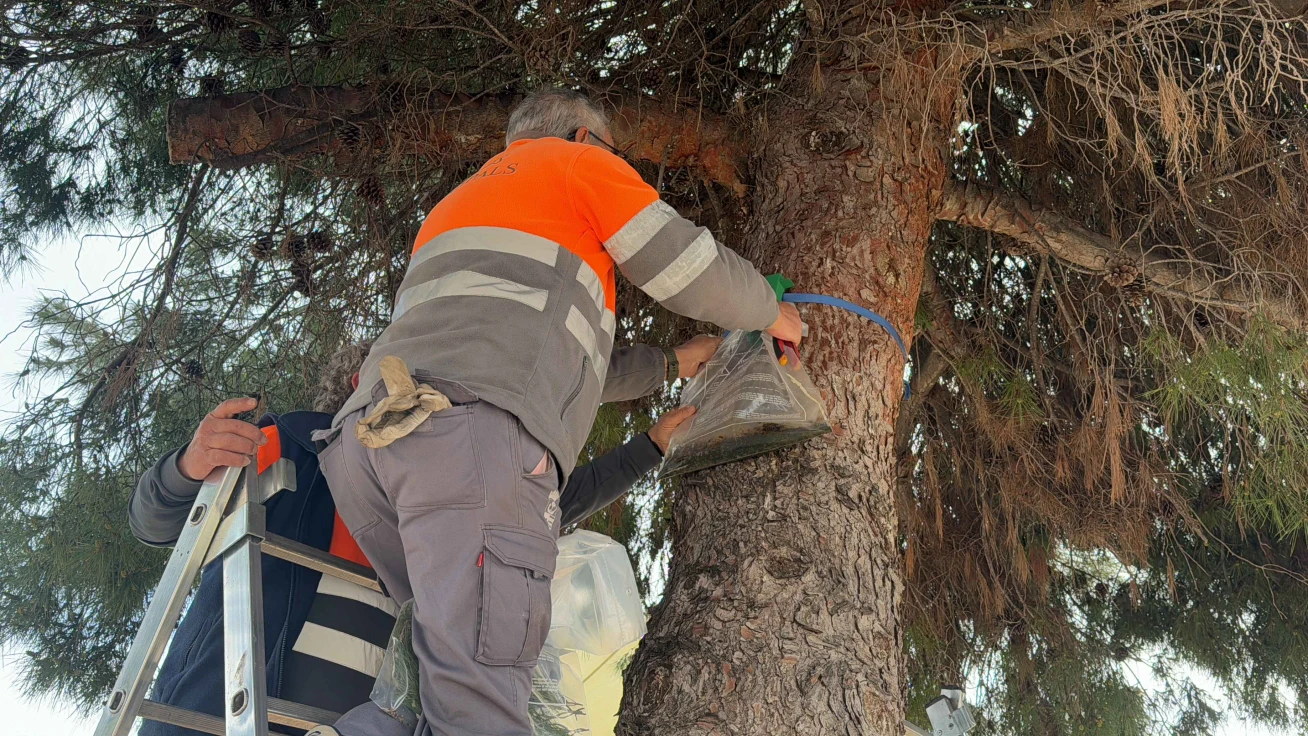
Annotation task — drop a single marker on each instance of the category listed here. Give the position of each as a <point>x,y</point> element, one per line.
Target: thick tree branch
<point>232,131</point>
<point>1063,238</point>
<point>1011,34</point>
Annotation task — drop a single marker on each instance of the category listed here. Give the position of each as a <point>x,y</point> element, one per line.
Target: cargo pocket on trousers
<point>516,568</point>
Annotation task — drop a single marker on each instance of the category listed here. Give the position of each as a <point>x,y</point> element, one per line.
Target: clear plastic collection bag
<point>396,688</point>
<point>752,399</point>
<point>596,604</point>
<point>598,619</point>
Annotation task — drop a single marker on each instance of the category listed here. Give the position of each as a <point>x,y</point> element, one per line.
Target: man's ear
<point>581,135</point>
<point>354,380</point>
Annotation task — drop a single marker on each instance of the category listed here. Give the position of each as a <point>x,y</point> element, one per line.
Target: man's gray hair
<point>555,112</point>
<point>335,384</point>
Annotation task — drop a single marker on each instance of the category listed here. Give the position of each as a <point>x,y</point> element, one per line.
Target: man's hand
<point>692,355</point>
<point>661,432</point>
<point>222,441</point>
<point>789,326</point>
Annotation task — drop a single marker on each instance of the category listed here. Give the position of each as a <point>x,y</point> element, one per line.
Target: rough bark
<point>781,611</point>
<point>1051,233</point>
<point>248,128</point>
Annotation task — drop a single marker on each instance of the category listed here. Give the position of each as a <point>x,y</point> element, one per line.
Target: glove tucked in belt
<point>406,405</point>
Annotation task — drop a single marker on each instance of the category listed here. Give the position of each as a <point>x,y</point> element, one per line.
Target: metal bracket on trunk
<point>950,715</point>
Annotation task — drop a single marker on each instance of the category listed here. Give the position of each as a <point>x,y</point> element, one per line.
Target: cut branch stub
<point>248,128</point>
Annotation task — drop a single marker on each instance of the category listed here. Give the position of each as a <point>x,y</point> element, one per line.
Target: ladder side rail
<point>244,658</point>
<point>124,702</point>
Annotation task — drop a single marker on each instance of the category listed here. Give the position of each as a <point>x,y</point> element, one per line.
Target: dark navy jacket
<point>191,674</point>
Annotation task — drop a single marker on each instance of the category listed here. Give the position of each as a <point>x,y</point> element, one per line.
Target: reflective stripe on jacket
<point>510,290</point>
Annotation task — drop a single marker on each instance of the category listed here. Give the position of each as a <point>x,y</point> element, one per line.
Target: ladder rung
<point>281,712</point>
<point>315,559</point>
<point>155,711</point>
<point>298,715</point>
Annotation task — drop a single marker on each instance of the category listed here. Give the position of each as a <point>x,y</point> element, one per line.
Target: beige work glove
<point>406,405</point>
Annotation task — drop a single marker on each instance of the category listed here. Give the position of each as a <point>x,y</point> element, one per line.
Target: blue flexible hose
<point>848,306</point>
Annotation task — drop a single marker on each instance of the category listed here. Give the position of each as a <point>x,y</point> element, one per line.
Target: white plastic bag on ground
<point>751,400</point>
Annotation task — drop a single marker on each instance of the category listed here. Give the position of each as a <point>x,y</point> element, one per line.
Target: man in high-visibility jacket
<point>325,637</point>
<point>507,309</point>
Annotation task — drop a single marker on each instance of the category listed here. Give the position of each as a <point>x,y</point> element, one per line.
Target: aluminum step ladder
<point>237,535</point>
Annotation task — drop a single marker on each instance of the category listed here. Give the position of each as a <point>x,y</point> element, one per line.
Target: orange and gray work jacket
<point>510,288</point>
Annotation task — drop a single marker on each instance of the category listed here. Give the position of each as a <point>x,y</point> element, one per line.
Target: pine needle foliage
<point>1102,462</point>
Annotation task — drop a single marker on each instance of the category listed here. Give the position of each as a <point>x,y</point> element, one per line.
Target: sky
<point>81,268</point>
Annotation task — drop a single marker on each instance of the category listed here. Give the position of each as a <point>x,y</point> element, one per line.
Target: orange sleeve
<point>344,546</point>
<point>606,191</point>
<point>271,452</point>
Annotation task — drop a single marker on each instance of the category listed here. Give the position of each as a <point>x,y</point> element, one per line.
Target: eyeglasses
<point>572,136</point>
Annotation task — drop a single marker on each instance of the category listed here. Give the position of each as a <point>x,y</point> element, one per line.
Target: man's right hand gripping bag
<point>752,399</point>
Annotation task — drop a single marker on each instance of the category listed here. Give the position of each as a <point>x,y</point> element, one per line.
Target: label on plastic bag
<point>750,401</point>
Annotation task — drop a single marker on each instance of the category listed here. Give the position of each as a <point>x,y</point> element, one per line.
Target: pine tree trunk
<point>781,611</point>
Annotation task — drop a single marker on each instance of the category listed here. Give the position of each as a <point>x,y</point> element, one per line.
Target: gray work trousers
<point>452,516</point>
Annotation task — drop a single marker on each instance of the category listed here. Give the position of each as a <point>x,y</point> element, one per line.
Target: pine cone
<point>193,368</point>
<point>217,23</point>
<point>1135,293</point>
<point>14,57</point>
<point>264,247</point>
<point>302,277</point>
<point>211,86</point>
<point>1122,272</point>
<point>318,241</point>
<point>351,136</point>
<point>319,22</point>
<point>275,44</point>
<point>294,249</point>
<point>250,41</point>
<point>260,8</point>
<point>177,58</point>
<point>372,192</point>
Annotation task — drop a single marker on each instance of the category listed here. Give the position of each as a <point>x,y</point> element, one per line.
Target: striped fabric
<point>489,239</point>
<point>585,335</point>
<point>339,652</point>
<point>687,267</point>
